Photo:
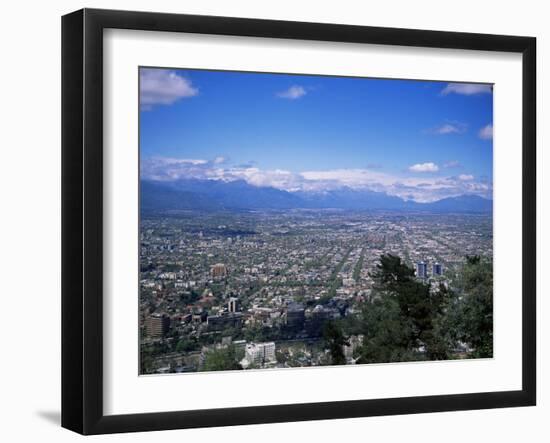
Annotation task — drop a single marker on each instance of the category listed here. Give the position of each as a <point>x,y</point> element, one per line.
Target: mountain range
<point>214,195</point>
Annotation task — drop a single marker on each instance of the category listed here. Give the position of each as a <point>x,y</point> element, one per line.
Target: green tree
<point>335,342</point>
<point>224,359</point>
<point>146,360</point>
<point>406,316</point>
<point>188,298</point>
<point>186,345</point>
<point>408,319</point>
<point>387,335</point>
<point>474,312</point>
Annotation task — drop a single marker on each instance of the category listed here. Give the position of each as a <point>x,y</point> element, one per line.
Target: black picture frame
<point>82,215</point>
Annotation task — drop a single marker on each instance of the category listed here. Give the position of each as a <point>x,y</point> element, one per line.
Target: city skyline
<point>418,140</point>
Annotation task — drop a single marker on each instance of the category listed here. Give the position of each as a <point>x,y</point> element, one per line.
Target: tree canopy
<point>473,314</point>
<point>409,319</point>
<point>223,359</point>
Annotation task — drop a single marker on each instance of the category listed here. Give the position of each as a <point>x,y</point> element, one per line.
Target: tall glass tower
<point>421,270</point>
<point>437,269</point>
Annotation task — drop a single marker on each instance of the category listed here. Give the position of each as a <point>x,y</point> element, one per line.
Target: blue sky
<point>419,140</point>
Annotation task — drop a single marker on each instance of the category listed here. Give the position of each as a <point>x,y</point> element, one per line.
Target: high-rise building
<point>295,316</point>
<point>421,270</point>
<point>218,270</point>
<point>318,317</point>
<point>437,269</point>
<point>233,304</point>
<point>157,325</point>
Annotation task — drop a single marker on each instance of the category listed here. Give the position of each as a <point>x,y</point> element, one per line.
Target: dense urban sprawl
<point>257,289</point>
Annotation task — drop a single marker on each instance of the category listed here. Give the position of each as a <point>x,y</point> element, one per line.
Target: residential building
<point>157,325</point>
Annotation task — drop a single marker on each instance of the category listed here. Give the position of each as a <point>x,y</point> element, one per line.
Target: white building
<point>259,353</point>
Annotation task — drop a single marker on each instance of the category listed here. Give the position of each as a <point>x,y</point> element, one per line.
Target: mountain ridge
<point>213,195</point>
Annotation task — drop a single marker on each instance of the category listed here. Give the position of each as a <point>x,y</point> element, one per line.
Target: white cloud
<point>421,189</point>
<point>467,89</point>
<point>292,93</point>
<point>452,164</point>
<point>336,178</point>
<point>424,167</point>
<point>219,160</point>
<point>169,169</point>
<point>450,128</point>
<point>163,87</point>
<point>486,133</point>
<point>277,178</point>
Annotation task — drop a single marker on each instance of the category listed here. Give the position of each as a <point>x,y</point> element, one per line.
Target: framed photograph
<point>268,221</point>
